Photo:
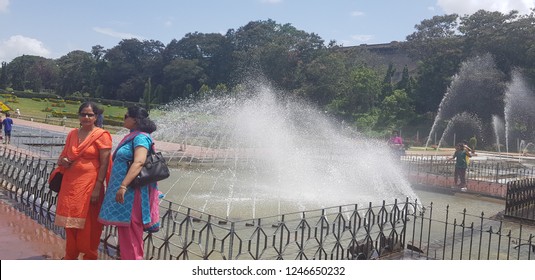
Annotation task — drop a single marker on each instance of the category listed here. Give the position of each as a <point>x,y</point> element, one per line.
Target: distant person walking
<point>1,136</point>
<point>396,144</point>
<point>7,123</point>
<point>100,118</point>
<point>462,152</point>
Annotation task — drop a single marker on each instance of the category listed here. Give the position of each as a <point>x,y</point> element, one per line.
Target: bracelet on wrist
<point>123,188</point>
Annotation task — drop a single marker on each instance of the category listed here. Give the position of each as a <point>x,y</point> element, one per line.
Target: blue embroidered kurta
<point>112,212</point>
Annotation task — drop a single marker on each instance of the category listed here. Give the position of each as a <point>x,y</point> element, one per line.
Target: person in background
<point>84,163</point>
<point>7,123</point>
<point>1,136</point>
<point>132,209</point>
<point>17,112</point>
<point>461,153</point>
<point>100,118</point>
<point>470,151</point>
<point>396,144</point>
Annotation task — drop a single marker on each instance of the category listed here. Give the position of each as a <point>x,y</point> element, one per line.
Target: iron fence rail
<point>486,171</point>
<point>520,201</point>
<point>390,230</point>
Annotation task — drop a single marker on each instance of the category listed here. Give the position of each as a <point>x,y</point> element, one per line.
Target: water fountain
<point>462,126</point>
<point>525,147</point>
<point>257,153</point>
<point>477,89</point>
<point>518,111</point>
<point>498,126</point>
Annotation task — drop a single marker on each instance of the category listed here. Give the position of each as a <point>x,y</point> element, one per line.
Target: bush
<point>73,102</point>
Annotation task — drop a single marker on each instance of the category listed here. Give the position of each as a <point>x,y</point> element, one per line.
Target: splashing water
<point>499,131</point>
<point>519,114</point>
<point>256,153</point>
<point>475,89</point>
<point>465,125</point>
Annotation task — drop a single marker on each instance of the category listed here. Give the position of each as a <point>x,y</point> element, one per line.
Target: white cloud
<point>4,4</point>
<point>18,45</point>
<point>467,7</point>
<point>357,13</point>
<point>115,34</point>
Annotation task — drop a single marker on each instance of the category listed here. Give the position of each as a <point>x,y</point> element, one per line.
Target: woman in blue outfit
<point>132,210</point>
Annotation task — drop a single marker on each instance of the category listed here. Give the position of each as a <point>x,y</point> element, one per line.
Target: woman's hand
<point>119,196</point>
<point>95,195</point>
<point>64,162</point>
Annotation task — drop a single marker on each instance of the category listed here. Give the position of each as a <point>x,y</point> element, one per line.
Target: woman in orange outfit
<point>84,163</point>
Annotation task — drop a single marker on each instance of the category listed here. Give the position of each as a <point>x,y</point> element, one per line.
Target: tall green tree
<point>396,110</point>
<point>77,72</point>
<point>438,47</point>
<point>128,65</point>
<point>29,72</point>
<point>3,75</point>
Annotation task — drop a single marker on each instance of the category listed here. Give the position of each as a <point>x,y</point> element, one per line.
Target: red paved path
<point>22,238</point>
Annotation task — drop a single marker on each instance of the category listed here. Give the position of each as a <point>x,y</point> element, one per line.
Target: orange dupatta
<point>73,203</point>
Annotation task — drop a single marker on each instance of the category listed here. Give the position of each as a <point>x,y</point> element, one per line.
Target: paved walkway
<point>22,238</point>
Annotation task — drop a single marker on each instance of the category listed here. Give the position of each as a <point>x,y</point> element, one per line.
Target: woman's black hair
<point>144,123</point>
<point>96,110</point>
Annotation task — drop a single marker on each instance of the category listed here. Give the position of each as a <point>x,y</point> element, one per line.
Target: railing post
<point>497,172</point>
<point>231,240</point>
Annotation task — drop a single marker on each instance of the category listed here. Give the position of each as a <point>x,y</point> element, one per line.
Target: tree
<point>273,50</point>
<point>438,47</point>
<point>77,72</point>
<point>147,95</point>
<point>28,72</point>
<point>211,51</point>
<point>182,76</point>
<point>3,76</point>
<point>323,80</point>
<point>508,37</point>
<point>128,65</point>
<point>396,110</point>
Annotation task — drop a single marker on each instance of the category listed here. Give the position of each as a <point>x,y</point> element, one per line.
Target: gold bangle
<point>123,188</point>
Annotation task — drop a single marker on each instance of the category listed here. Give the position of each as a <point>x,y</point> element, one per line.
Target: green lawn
<point>33,109</point>
<point>30,107</point>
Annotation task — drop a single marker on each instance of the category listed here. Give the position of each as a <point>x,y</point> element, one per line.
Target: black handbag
<point>55,182</point>
<point>155,169</point>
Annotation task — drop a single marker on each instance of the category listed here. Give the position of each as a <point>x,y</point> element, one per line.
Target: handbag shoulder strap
<point>151,148</point>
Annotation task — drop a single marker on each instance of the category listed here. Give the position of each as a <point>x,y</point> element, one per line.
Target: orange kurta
<point>79,179</point>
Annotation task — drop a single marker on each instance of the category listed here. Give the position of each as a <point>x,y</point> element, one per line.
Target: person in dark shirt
<point>462,152</point>
<point>100,118</point>
<point>7,123</point>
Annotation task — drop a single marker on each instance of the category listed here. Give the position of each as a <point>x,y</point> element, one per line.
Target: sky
<point>53,28</point>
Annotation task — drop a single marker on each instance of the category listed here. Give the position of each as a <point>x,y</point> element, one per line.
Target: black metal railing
<point>390,230</point>
<point>486,171</point>
<point>520,200</point>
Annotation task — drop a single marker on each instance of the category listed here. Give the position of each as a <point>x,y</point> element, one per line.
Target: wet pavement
<point>22,238</point>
